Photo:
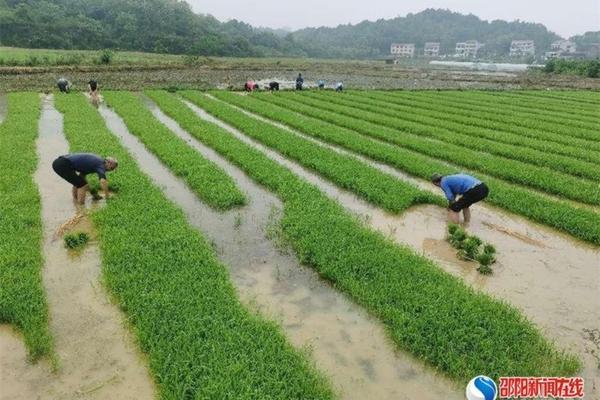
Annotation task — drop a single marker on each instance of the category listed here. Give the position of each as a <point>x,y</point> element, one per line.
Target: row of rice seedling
<point>205,178</point>
<point>346,171</point>
<point>577,97</point>
<point>427,311</point>
<point>560,104</point>
<point>420,123</point>
<point>370,124</point>
<point>555,114</point>
<point>543,121</point>
<point>498,128</point>
<point>201,342</point>
<point>579,222</point>
<point>22,297</point>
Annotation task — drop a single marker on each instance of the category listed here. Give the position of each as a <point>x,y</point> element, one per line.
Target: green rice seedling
<point>470,248</point>
<point>346,171</point>
<point>489,249</point>
<point>459,331</point>
<point>200,341</point>
<point>506,128</point>
<point>22,296</point>
<point>76,240</point>
<point>536,177</point>
<point>485,259</point>
<point>205,178</point>
<point>485,269</point>
<point>476,131</point>
<point>344,131</point>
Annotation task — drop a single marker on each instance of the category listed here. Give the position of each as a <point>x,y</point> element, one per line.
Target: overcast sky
<point>565,17</point>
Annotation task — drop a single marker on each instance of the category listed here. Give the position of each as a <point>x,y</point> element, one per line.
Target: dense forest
<point>170,26</point>
<point>162,26</point>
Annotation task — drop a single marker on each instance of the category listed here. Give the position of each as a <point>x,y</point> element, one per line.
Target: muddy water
<point>552,278</point>
<point>97,356</point>
<point>3,107</point>
<point>348,345</point>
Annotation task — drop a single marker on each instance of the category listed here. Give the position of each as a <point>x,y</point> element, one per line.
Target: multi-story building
<point>432,49</point>
<point>564,46</point>
<point>403,49</point>
<point>467,49</point>
<point>521,48</point>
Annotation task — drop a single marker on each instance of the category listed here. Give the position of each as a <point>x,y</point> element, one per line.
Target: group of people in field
<point>461,190</point>
<point>251,85</point>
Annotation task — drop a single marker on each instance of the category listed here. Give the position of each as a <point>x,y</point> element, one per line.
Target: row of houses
<point>470,48</point>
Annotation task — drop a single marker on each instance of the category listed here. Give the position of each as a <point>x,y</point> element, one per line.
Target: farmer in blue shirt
<point>74,167</point>
<point>470,189</point>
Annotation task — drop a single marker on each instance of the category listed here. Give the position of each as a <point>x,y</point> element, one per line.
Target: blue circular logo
<point>482,388</point>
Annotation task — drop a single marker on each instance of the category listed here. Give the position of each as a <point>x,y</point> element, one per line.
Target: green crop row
<point>476,138</point>
<point>560,115</point>
<point>204,177</point>
<point>578,97</point>
<point>546,123</point>
<point>560,104</point>
<point>346,171</point>
<point>544,179</point>
<point>579,222</point>
<point>201,342</point>
<point>22,296</point>
<point>427,311</point>
<point>510,130</point>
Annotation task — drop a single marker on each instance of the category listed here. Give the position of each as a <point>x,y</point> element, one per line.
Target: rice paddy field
<point>289,245</point>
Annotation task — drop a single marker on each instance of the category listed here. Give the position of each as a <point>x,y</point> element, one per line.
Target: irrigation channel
<point>348,345</point>
<point>97,356</point>
<point>3,107</point>
<point>551,277</point>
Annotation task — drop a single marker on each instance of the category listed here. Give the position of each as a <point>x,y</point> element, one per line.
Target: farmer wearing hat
<point>74,167</point>
<point>468,189</point>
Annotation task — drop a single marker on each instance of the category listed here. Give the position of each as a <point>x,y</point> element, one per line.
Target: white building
<point>403,49</point>
<point>432,49</point>
<point>563,46</point>
<point>467,49</point>
<point>521,48</point>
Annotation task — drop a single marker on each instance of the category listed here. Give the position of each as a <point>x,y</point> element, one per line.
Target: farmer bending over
<point>274,86</point>
<point>74,167</point>
<point>470,190</point>
<point>63,85</point>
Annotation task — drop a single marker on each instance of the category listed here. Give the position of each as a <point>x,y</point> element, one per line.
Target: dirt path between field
<point>348,345</point>
<point>553,278</point>
<point>97,356</point>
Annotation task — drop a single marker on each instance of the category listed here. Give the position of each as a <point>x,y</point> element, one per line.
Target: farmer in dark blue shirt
<point>74,167</point>
<point>470,189</point>
<point>299,82</point>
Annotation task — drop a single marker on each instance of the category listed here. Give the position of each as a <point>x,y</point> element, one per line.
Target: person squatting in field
<point>274,86</point>
<point>470,189</point>
<point>74,167</point>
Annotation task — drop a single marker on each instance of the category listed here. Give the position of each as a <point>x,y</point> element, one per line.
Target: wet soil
<point>3,106</point>
<point>97,356</point>
<point>552,278</point>
<point>348,345</point>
